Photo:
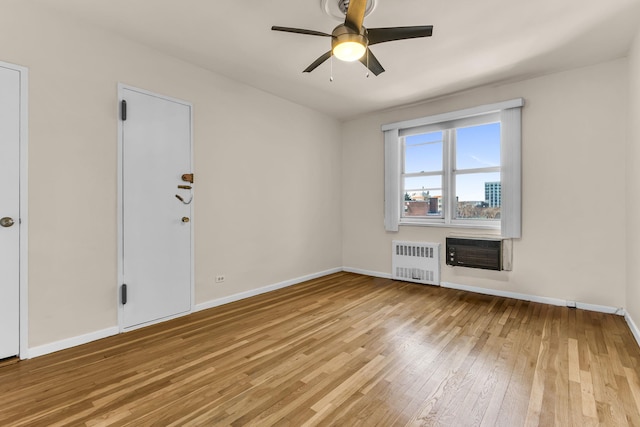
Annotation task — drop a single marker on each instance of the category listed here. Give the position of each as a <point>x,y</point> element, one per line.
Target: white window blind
<point>391,180</point>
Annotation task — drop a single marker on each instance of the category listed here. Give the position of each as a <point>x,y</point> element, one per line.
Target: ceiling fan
<point>351,40</point>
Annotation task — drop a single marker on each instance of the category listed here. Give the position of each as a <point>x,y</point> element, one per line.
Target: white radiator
<point>416,262</point>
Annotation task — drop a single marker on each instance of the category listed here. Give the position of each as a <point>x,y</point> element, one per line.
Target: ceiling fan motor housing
<point>344,33</point>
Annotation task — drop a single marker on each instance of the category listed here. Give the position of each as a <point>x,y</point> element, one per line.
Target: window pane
<point>423,153</point>
<point>422,183</point>
<point>426,203</point>
<point>478,196</point>
<point>478,146</point>
<point>423,196</point>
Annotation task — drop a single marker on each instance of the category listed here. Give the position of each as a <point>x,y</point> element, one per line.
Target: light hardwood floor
<point>343,350</point>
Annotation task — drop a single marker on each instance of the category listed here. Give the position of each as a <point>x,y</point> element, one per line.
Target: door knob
<point>6,222</point>
<point>185,219</point>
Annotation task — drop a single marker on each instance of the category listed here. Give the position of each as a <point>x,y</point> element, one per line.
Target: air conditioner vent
<point>474,253</point>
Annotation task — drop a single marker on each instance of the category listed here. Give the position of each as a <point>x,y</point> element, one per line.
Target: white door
<point>9,212</point>
<point>156,209</point>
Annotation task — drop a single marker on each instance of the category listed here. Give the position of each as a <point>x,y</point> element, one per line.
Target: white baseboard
<point>72,342</point>
<point>526,297</point>
<point>634,328</point>
<point>367,272</point>
<point>534,298</point>
<point>493,292</point>
<point>264,289</point>
<point>104,333</point>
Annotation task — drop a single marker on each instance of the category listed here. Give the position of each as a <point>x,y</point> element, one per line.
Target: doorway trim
<point>23,352</point>
<point>120,207</point>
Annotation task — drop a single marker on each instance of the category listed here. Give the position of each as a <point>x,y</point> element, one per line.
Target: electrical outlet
<point>220,278</point>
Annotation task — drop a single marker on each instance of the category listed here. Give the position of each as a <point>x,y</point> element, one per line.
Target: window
<point>459,169</point>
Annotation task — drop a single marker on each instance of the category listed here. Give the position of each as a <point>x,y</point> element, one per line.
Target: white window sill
<point>494,225</point>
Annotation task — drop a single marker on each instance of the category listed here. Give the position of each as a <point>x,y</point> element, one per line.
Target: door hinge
<point>123,110</point>
<point>123,294</point>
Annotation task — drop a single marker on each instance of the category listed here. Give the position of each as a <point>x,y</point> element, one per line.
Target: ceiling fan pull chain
<point>367,61</point>
<point>331,63</point>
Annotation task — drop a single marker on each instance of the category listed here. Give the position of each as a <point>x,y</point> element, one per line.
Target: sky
<point>476,147</point>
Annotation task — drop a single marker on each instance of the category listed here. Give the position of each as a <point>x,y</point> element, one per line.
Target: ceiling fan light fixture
<point>349,51</point>
<point>348,45</point>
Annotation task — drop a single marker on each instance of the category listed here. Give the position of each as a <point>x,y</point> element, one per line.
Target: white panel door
<point>156,225</point>
<point>9,212</point>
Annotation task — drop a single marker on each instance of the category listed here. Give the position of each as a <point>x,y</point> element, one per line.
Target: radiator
<point>416,262</point>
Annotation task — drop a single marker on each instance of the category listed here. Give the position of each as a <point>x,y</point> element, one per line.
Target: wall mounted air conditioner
<point>485,253</point>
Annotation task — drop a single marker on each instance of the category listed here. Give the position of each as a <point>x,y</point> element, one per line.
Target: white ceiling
<point>474,43</point>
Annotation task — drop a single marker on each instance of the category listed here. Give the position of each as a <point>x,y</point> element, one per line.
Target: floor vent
<point>416,262</point>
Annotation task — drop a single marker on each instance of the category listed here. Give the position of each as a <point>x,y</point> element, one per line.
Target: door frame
<point>121,88</point>
<point>23,222</point>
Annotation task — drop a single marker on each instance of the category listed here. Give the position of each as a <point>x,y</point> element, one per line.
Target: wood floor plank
<point>346,350</point>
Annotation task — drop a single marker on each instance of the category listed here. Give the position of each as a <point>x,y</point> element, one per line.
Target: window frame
<point>508,113</point>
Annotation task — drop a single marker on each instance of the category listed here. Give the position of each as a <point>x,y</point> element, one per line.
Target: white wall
<point>267,173</point>
<point>633,185</point>
<point>574,132</point>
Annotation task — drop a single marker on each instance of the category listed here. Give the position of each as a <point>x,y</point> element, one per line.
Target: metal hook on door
<point>182,200</point>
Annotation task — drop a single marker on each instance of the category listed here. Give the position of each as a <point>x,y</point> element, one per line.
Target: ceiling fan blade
<point>355,14</point>
<point>381,35</point>
<point>372,63</point>
<point>300,31</point>
<point>317,62</point>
